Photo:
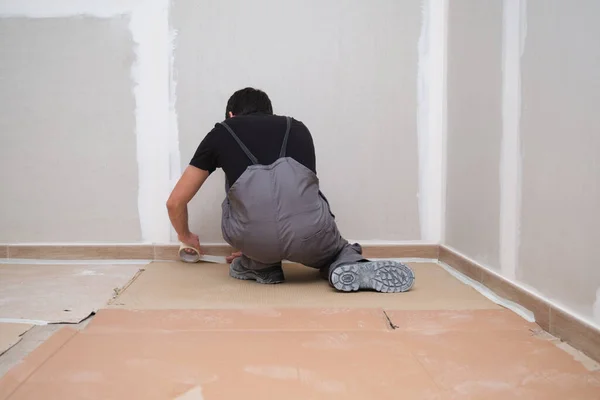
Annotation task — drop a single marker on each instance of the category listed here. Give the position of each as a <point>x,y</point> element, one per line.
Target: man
<point>273,209</point>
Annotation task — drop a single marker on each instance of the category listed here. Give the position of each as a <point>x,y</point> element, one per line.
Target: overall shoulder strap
<point>242,145</point>
<point>285,138</point>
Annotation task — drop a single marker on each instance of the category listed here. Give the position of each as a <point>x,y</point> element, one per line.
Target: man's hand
<point>191,240</point>
<point>233,256</point>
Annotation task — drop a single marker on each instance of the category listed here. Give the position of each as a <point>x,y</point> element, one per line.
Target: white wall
<point>349,70</point>
<point>523,141</point>
<point>474,128</point>
<point>68,170</point>
<point>560,136</point>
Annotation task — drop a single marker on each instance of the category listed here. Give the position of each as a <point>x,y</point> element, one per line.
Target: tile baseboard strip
<point>564,326</point>
<point>169,252</point>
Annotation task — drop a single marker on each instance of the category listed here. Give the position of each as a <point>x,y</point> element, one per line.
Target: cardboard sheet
<point>229,354</point>
<point>191,286</point>
<point>109,321</point>
<point>59,293</point>
<point>10,334</point>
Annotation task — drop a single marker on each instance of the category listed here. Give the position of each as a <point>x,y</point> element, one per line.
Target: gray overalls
<point>276,212</point>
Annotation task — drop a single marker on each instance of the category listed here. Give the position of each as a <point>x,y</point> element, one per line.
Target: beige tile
<point>166,252</point>
<point>171,285</point>
<point>171,251</point>
<point>579,335</point>
<point>507,290</point>
<point>83,252</point>
<point>402,251</point>
<point>3,251</point>
<point>460,264</point>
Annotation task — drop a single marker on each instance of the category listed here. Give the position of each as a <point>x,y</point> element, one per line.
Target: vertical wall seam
<point>174,151</point>
<point>151,73</point>
<point>513,42</point>
<point>431,118</point>
<point>443,118</point>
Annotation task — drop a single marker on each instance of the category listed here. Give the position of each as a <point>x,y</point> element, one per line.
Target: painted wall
<point>103,104</point>
<point>347,70</point>
<point>523,171</point>
<point>474,128</point>
<point>68,169</point>
<point>560,136</point>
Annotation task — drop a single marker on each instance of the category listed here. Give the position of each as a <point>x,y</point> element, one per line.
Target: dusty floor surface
<point>302,341</point>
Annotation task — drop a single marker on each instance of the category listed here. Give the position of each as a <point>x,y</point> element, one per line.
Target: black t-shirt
<point>263,135</point>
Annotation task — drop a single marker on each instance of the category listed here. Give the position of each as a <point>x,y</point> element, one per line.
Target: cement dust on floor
<point>57,293</point>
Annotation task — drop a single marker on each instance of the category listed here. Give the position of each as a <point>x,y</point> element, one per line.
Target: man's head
<point>248,101</point>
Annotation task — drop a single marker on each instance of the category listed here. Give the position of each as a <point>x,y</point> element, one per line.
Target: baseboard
<point>563,325</point>
<point>170,251</point>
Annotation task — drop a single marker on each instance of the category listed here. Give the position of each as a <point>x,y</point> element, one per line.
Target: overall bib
<point>276,212</point>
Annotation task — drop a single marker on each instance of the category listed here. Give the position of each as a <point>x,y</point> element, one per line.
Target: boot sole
<point>249,275</point>
<point>381,276</point>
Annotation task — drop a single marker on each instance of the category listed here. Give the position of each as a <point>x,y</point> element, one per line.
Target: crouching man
<point>273,209</point>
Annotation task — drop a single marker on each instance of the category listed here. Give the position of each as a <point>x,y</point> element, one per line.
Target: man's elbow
<point>174,204</point>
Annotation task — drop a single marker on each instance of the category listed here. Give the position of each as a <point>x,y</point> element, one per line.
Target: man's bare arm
<point>186,188</point>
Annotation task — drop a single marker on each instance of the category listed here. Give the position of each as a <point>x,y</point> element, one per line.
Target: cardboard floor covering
<point>301,354</point>
<point>59,293</point>
<point>178,285</point>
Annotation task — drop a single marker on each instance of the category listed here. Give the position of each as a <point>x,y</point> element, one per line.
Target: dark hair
<point>248,101</point>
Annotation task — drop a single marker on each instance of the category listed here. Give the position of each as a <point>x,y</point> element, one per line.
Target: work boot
<point>383,276</point>
<point>267,275</point>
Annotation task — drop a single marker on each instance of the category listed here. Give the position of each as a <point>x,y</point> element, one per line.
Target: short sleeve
<point>206,156</point>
